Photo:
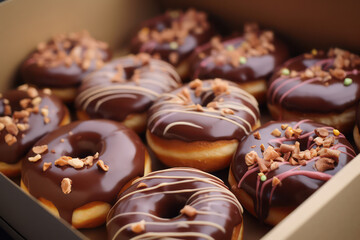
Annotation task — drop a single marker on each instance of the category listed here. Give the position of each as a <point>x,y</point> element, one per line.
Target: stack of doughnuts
<point>97,170</point>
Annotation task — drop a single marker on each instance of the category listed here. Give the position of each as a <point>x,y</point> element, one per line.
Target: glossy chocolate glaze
<point>294,189</point>
<point>206,125</point>
<point>257,67</point>
<point>119,148</point>
<point>99,95</point>
<point>358,117</point>
<point>159,205</point>
<point>60,76</point>
<point>163,49</point>
<point>37,126</point>
<point>317,96</point>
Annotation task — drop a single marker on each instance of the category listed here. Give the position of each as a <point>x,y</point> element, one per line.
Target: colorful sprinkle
<point>242,60</point>
<point>285,71</point>
<point>230,48</point>
<point>314,52</point>
<point>174,45</point>
<point>347,81</point>
<point>336,132</point>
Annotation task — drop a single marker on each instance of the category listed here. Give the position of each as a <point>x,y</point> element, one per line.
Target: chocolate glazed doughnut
<point>177,203</point>
<point>324,88</point>
<point>173,37</point>
<point>280,165</point>
<point>26,114</point>
<point>247,60</point>
<point>200,124</point>
<point>78,170</point>
<point>130,85</point>
<point>61,63</point>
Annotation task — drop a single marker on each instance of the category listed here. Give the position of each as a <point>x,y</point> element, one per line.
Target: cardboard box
<point>333,212</point>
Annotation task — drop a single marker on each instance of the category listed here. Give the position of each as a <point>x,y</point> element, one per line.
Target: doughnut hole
<point>171,206</point>
<point>85,144</point>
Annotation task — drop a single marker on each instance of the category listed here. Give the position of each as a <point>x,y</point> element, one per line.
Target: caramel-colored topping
<point>88,161</point>
<point>62,161</point>
<point>40,149</point>
<point>289,132</point>
<point>189,211</point>
<point>319,141</point>
<point>324,164</point>
<point>262,147</point>
<point>36,158</point>
<point>329,141</point>
<point>46,166</point>
<point>274,166</point>
<point>330,153</point>
<point>138,227</point>
<point>12,129</point>
<point>76,163</point>
<point>284,148</point>
<point>142,185</point>
<point>251,158</point>
<point>227,111</point>
<point>66,185</point>
<point>219,86</point>
<point>195,84</point>
<point>321,132</point>
<point>32,92</point>
<point>102,165</point>
<point>10,139</point>
<point>275,181</point>
<point>257,135</point>
<point>270,154</point>
<point>276,133</point>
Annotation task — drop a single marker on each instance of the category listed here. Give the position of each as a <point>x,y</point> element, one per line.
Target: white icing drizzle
<point>180,123</point>
<point>214,193</point>
<point>172,103</point>
<point>155,73</point>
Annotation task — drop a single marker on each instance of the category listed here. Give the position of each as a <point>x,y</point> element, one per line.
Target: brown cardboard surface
<point>333,211</point>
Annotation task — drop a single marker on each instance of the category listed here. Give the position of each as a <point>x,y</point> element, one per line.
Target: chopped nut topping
<point>263,165</point>
<point>62,161</point>
<point>10,139</point>
<point>270,154</point>
<point>21,114</point>
<point>101,164</point>
<point>88,161</point>
<point>276,133</point>
<point>199,108</point>
<point>189,211</point>
<point>214,105</point>
<point>36,158</point>
<point>46,166</point>
<point>66,185</point>
<point>36,101</point>
<point>96,156</point>
<point>330,153</point>
<point>274,166</point>
<point>257,135</point>
<point>76,163</point>
<point>47,91</point>
<point>138,227</point>
<point>142,185</point>
<point>32,92</point>
<point>319,141</point>
<point>2,126</point>
<point>227,111</point>
<point>12,129</point>
<point>262,147</point>
<point>24,103</point>
<point>251,158</point>
<point>275,181</point>
<point>289,132</point>
<point>284,148</point>
<point>328,141</point>
<point>40,149</point>
<point>195,84</point>
<point>321,132</point>
<point>297,132</point>
<point>219,86</point>
<point>324,164</point>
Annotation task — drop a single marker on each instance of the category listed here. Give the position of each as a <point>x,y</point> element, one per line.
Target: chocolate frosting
<point>171,118</point>
<point>358,117</point>
<point>190,40</point>
<point>314,95</point>
<point>204,65</point>
<point>159,203</point>
<point>55,73</point>
<point>119,148</point>
<point>129,84</point>
<point>297,182</point>
<point>37,126</point>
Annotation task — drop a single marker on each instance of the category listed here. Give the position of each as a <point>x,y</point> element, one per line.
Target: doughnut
<point>176,203</point>
<point>200,125</point>
<point>173,36</point>
<point>78,170</point>
<point>61,63</point>
<point>318,86</point>
<point>129,84</point>
<point>356,133</point>
<point>247,60</point>
<point>26,114</point>
<point>282,163</point>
